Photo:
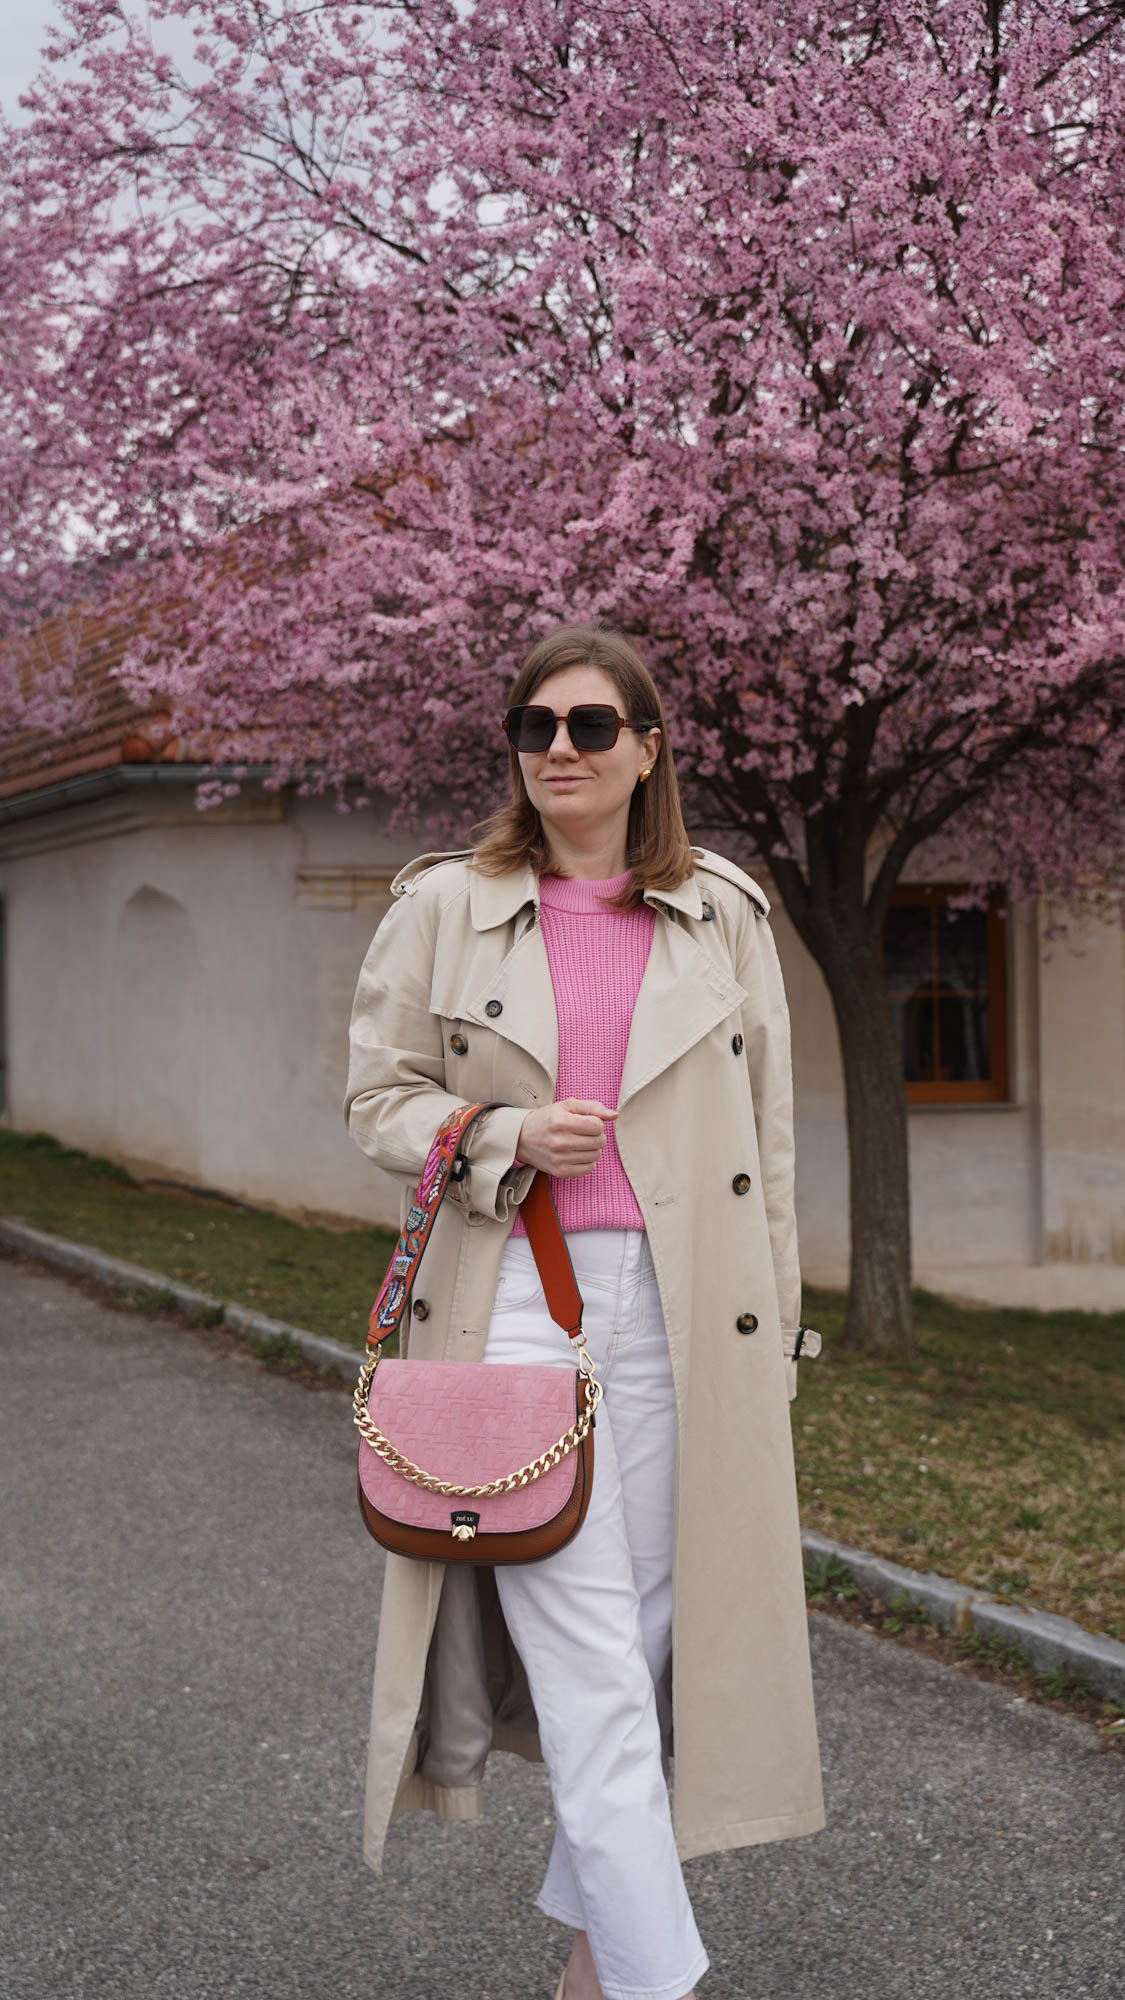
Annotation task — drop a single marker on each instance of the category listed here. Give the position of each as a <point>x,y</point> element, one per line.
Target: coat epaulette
<point>408,878</point>
<point>719,865</point>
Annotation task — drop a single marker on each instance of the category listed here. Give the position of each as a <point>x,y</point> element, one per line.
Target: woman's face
<point>581,790</point>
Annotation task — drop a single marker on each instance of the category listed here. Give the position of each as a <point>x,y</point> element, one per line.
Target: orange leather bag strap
<point>446,1164</point>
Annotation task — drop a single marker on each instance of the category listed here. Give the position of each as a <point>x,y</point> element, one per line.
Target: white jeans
<point>593,1625</point>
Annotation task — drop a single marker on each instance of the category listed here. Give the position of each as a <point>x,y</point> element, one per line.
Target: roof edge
<point>120,778</point>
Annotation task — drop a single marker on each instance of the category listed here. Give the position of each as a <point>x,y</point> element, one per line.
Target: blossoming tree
<point>789,339</point>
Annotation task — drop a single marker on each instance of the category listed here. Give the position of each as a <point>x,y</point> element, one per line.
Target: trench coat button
<point>458,1044</point>
<point>708,912</point>
<point>421,1309</point>
<point>494,1007</point>
<point>747,1322</point>
<point>741,1184</point>
<point>736,1044</point>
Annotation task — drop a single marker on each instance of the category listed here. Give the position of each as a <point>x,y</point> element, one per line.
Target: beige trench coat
<point>705,1097</point>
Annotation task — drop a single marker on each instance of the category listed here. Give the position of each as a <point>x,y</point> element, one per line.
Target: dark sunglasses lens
<point>590,727</point>
<point>593,728</point>
<point>531,728</point>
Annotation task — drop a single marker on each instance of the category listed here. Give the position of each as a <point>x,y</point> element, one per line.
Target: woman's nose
<point>561,745</point>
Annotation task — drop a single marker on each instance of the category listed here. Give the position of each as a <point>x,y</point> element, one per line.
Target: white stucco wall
<point>157,1015</point>
<point>178,993</point>
<point>1082,1014</point>
<point>179,988</point>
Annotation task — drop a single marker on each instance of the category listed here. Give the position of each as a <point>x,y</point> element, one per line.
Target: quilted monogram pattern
<point>470,1422</point>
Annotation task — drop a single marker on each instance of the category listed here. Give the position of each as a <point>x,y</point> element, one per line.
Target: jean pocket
<point>516,1290</point>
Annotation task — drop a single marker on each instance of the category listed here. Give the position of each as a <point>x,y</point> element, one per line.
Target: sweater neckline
<point>583,898</point>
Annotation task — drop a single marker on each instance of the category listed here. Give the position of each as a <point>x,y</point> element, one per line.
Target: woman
<point>616,994</point>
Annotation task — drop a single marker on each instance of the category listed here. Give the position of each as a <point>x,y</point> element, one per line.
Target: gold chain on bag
<point>555,1453</point>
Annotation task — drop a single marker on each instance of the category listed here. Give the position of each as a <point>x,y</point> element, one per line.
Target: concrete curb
<point>1048,1640</point>
<point>316,1347</point>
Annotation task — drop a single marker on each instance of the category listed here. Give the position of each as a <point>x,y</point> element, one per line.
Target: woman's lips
<point>564,781</point>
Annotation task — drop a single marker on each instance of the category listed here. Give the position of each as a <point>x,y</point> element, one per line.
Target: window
<point>946,973</point>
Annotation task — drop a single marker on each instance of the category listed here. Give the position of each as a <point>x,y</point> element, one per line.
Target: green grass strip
<point>320,1279</point>
<point>993,1455</point>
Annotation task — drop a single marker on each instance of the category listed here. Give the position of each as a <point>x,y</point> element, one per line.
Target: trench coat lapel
<point>684,993</point>
<point>523,987</point>
<point>522,983</point>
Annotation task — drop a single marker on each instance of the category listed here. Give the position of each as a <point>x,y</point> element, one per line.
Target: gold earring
<point>646,774</point>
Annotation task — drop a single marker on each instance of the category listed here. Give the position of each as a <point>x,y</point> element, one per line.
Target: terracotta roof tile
<point>111,728</point>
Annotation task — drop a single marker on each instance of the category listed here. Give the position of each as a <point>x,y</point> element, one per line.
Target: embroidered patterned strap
<point>446,1163</point>
<point>441,1167</point>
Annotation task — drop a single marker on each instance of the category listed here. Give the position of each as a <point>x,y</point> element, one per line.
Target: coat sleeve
<point>396,1096</point>
<point>765,1033</point>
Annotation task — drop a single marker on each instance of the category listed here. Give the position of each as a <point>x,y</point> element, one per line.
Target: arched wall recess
<point>157,1033</point>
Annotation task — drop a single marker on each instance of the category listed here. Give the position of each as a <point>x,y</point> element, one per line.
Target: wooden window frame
<point>994,1089</point>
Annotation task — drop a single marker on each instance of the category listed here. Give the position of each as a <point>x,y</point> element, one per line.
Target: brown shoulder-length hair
<point>657,848</point>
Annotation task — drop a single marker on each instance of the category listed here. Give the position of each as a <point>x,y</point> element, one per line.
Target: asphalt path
<point>189,1606</point>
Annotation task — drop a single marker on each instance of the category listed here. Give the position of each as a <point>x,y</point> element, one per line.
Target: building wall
<point>1082,1016</point>
<point>178,993</point>
<point>157,1012</point>
<point>179,987</point>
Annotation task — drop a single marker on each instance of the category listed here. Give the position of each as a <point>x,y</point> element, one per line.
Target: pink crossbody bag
<point>470,1461</point>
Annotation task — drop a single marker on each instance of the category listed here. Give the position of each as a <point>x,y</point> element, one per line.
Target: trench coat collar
<point>684,993</point>
<point>495,899</point>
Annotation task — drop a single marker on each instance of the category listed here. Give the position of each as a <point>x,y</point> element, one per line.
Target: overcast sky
<point>25,29</point>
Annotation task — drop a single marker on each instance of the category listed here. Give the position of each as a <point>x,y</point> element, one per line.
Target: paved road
<point>189,1604</point>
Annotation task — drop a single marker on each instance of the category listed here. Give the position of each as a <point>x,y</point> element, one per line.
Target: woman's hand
<point>564,1138</point>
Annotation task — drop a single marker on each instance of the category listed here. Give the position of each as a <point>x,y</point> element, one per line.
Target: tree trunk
<point>880,1315</point>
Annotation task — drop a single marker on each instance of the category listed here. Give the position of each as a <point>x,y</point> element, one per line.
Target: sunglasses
<point>591,725</point>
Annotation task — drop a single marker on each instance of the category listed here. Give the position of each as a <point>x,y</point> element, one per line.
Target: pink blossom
<point>355,350</point>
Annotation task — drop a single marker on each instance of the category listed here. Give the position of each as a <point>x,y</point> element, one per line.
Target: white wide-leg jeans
<point>593,1625</point>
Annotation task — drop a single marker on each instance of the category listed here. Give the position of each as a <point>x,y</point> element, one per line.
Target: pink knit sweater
<point>597,959</point>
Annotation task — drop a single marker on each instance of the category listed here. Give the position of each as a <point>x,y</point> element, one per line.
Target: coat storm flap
<point>454,1004</point>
